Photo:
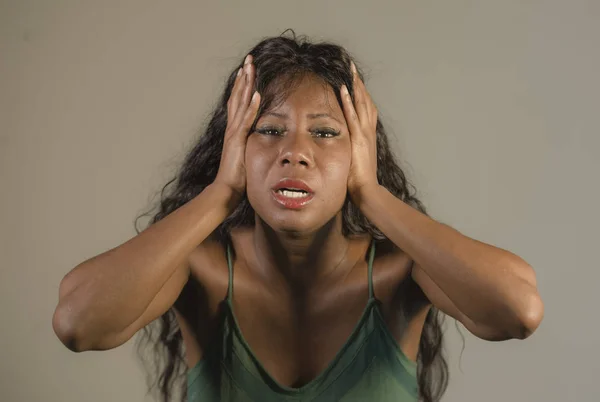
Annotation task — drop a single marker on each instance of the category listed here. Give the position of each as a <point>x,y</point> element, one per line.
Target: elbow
<point>79,337</point>
<point>66,321</point>
<point>64,327</point>
<point>530,317</point>
<point>71,331</point>
<point>529,308</point>
<point>63,321</point>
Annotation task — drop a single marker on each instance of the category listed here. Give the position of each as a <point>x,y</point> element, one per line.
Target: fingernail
<point>344,90</point>
<point>239,72</point>
<point>254,96</point>
<point>247,59</point>
<point>353,67</point>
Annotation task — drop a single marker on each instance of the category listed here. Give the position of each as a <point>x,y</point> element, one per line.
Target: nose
<point>296,151</point>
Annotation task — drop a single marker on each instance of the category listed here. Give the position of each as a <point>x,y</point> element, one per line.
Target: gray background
<point>493,105</point>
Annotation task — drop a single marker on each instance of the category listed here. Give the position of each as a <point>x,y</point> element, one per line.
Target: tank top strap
<point>371,259</point>
<point>230,268</point>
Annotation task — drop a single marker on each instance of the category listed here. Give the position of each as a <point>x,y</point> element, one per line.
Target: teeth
<point>293,193</point>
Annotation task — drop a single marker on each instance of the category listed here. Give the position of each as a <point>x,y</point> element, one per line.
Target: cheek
<point>255,161</point>
<point>258,161</point>
<point>336,170</point>
<point>339,160</point>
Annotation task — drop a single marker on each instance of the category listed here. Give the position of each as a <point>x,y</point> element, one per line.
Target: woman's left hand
<point>361,118</point>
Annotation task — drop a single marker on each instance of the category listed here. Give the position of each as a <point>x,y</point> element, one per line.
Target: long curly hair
<point>280,63</point>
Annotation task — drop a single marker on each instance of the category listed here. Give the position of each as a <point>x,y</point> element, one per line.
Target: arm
<point>489,290</point>
<point>105,300</point>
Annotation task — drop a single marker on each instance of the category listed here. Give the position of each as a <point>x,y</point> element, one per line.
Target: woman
<point>292,260</point>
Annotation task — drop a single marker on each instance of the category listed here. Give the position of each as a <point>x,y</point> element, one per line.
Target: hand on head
<point>242,108</point>
<point>361,118</point>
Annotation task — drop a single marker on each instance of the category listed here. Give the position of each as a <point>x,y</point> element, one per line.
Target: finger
<point>350,113</point>
<point>360,100</point>
<point>371,109</point>
<point>244,95</point>
<point>249,87</point>
<point>249,115</point>
<point>233,101</point>
<point>248,90</point>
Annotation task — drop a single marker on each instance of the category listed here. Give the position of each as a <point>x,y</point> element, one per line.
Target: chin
<point>289,224</point>
<point>296,222</point>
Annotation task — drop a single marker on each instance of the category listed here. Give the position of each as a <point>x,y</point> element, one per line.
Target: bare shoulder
<point>208,263</point>
<point>403,303</point>
<point>392,271</point>
<point>199,304</point>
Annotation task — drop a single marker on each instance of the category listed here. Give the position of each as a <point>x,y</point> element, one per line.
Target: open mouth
<point>292,194</point>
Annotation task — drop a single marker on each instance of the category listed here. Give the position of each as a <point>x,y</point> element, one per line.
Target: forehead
<point>311,95</point>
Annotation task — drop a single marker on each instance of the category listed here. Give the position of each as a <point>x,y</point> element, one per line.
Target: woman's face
<point>298,159</point>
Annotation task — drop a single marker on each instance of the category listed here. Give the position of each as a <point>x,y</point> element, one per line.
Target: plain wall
<point>493,106</point>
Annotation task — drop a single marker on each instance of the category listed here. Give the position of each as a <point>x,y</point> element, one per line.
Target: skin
<point>300,286</point>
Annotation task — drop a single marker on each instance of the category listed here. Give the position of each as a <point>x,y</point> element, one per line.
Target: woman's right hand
<point>242,107</point>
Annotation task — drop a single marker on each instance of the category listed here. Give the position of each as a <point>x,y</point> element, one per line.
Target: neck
<point>301,258</point>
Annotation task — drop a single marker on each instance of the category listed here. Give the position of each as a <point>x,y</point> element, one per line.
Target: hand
<point>361,118</point>
<point>242,107</point>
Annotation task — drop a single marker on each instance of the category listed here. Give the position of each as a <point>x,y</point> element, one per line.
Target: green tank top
<point>370,365</point>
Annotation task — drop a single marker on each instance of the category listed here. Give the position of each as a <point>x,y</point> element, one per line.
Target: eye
<point>270,131</point>
<point>325,133</point>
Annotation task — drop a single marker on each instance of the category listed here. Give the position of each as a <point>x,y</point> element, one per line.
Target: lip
<point>296,202</point>
<point>293,184</point>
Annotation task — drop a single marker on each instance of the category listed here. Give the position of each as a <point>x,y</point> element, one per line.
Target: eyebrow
<point>310,115</point>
